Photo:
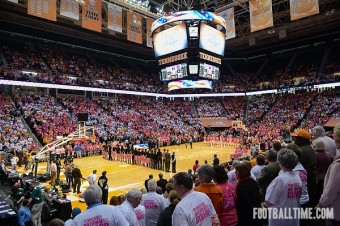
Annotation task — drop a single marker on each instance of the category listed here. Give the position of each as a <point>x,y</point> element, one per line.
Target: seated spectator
<point>24,214</point>
<point>75,212</point>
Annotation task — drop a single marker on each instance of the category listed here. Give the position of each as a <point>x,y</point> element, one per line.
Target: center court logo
<point>293,213</point>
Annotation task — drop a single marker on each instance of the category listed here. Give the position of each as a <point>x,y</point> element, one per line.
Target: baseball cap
<point>301,133</point>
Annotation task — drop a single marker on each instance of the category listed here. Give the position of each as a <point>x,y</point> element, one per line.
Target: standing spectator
<point>277,146</point>
<point>14,162</point>
<point>256,170</point>
<point>330,197</point>
<point>3,172</point>
<point>253,160</point>
<point>58,163</point>
<point>195,167</point>
<point>320,135</point>
<point>102,183</point>
<point>173,162</point>
<point>24,214</point>
<point>228,216</point>
<point>140,213</point>
<point>308,161</point>
<point>195,208</point>
<point>96,212</point>
<point>323,161</point>
<point>285,190</point>
<point>167,161</point>
<point>77,176</point>
<point>268,173</point>
<point>53,169</point>
<point>154,204</point>
<point>133,198</point>
<point>216,161</point>
<point>205,175</point>
<point>162,182</point>
<point>336,136</point>
<point>302,173</point>
<point>147,180</point>
<point>248,196</point>
<point>36,202</point>
<point>165,219</point>
<point>92,178</point>
<point>20,157</point>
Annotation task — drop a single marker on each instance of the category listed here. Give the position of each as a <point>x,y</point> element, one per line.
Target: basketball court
<point>122,176</point>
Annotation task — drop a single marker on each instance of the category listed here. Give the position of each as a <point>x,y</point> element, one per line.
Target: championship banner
<point>261,14</point>
<point>14,1</point>
<point>148,32</point>
<point>69,8</point>
<point>44,9</point>
<point>92,15</point>
<point>114,18</point>
<point>302,8</point>
<point>229,17</point>
<point>134,27</point>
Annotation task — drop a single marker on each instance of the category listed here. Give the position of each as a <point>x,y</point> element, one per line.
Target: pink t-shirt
<point>228,215</point>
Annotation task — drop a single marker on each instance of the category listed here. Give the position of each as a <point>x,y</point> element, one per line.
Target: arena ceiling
<point>322,27</point>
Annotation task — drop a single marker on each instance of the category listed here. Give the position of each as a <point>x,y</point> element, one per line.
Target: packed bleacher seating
<point>235,107</point>
<point>208,107</point>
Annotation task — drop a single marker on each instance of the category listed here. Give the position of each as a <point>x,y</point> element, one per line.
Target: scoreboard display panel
<point>211,39</point>
<point>177,71</point>
<point>170,40</point>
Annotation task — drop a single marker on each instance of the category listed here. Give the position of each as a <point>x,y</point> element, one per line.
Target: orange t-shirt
<point>215,194</point>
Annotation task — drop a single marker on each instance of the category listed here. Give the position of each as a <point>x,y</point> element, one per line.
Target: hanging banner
<point>14,1</point>
<point>114,18</point>
<point>148,32</point>
<point>134,27</point>
<point>229,17</point>
<point>261,14</point>
<point>44,9</point>
<point>69,8</point>
<point>92,15</point>
<point>303,8</point>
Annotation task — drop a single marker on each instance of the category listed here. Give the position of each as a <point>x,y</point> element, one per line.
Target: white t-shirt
<point>92,178</point>
<point>302,173</point>
<point>232,178</point>
<point>195,208</point>
<point>128,212</point>
<point>140,213</point>
<point>154,204</point>
<point>68,222</point>
<point>256,170</point>
<point>284,191</point>
<point>100,215</point>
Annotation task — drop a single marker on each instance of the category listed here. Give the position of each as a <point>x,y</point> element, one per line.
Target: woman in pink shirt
<point>228,216</point>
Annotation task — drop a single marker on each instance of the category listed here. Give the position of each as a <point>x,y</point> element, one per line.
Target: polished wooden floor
<point>122,176</point>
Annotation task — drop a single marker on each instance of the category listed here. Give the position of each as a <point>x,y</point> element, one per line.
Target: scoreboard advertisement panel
<point>177,71</point>
<point>209,71</point>
<point>170,40</point>
<point>189,84</point>
<point>211,39</point>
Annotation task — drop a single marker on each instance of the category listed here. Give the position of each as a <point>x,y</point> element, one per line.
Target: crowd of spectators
<point>57,65</point>
<point>208,107</point>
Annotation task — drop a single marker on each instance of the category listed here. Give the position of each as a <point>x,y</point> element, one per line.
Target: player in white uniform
<point>195,208</point>
<point>285,190</point>
<point>97,213</point>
